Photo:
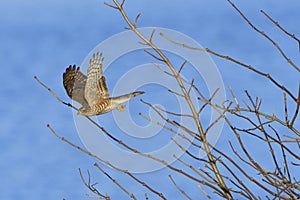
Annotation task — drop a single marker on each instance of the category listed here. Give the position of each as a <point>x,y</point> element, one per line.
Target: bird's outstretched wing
<point>95,88</point>
<point>74,82</point>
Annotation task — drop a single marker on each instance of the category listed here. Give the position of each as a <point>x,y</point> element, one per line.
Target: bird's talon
<point>120,108</point>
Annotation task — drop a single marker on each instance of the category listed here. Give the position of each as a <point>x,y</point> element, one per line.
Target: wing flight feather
<point>74,82</point>
<point>95,88</point>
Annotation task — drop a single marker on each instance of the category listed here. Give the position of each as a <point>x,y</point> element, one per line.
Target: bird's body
<point>91,91</point>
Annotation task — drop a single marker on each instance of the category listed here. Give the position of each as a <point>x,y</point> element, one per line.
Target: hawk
<point>91,91</point>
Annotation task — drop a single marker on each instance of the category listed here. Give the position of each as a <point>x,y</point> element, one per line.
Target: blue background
<point>43,37</point>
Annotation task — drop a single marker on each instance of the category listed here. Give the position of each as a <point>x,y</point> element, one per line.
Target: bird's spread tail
<point>116,101</point>
<point>134,94</point>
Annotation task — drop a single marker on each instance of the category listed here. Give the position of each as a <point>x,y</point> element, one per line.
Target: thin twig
<point>136,19</point>
<point>268,76</point>
<point>51,91</point>
<point>131,195</point>
<point>266,36</point>
<point>182,191</point>
<point>181,67</point>
<point>297,108</point>
<point>88,185</point>
<point>204,192</point>
<point>285,109</point>
<point>234,97</point>
<point>281,28</point>
<point>91,187</point>
<point>173,113</point>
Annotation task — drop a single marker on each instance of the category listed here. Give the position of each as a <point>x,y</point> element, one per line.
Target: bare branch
<point>182,191</point>
<point>226,175</point>
<point>266,36</point>
<point>297,108</point>
<point>173,113</point>
<point>154,56</point>
<point>281,28</point>
<point>109,5</point>
<point>181,67</point>
<point>285,109</point>
<point>234,98</point>
<point>91,187</point>
<point>51,91</point>
<point>164,58</point>
<point>250,67</point>
<point>151,36</point>
<point>131,195</point>
<point>136,19</point>
<point>204,192</point>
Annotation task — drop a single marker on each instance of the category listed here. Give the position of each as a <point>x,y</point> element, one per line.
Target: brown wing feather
<point>103,91</point>
<point>74,82</point>
<point>95,88</point>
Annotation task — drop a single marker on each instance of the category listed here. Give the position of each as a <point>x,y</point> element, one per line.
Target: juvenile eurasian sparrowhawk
<point>91,91</point>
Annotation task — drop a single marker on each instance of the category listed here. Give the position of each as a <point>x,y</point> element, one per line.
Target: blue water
<point>43,37</point>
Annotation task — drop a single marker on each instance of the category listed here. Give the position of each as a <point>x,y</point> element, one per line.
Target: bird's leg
<point>120,108</point>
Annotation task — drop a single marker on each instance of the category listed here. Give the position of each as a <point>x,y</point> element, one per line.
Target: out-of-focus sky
<point>43,37</point>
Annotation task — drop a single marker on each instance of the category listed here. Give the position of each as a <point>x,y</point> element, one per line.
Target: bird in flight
<point>91,91</point>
